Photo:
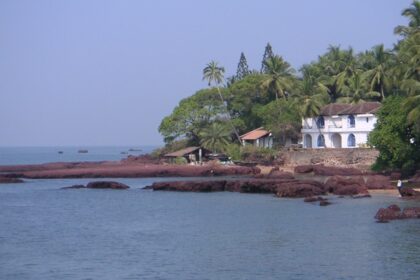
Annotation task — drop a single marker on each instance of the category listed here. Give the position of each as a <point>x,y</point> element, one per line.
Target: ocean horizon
<point>11,155</point>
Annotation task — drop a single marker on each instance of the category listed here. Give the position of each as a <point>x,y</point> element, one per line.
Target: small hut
<point>193,155</point>
<point>258,137</point>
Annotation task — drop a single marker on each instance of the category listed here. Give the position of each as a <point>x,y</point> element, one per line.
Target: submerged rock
<point>189,186</point>
<point>324,203</point>
<point>107,185</point>
<point>74,187</point>
<point>361,196</point>
<point>9,180</point>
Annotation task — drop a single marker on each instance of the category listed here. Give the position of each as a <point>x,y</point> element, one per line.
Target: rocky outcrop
<point>189,186</point>
<point>409,193</point>
<point>346,186</point>
<point>279,174</point>
<point>123,170</point>
<point>300,189</point>
<point>411,213</point>
<point>281,188</point>
<point>332,171</point>
<point>275,173</point>
<point>393,212</point>
<point>100,185</point>
<point>107,185</point>
<point>9,180</point>
<point>375,182</point>
<point>322,170</point>
<point>304,169</point>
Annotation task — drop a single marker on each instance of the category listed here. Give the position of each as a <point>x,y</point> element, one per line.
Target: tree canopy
<point>277,96</point>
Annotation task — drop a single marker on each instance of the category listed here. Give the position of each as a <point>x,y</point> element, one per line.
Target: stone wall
<point>362,157</point>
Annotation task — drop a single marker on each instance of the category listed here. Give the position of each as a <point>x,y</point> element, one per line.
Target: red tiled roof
<point>334,109</point>
<point>255,134</point>
<point>348,109</point>
<point>362,108</point>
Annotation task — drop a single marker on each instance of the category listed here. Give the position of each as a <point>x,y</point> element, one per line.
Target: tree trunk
<point>382,93</point>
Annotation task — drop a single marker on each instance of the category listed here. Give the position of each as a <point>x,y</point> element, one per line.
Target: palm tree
<point>311,97</point>
<point>215,137</point>
<point>378,77</point>
<point>412,104</point>
<point>335,67</point>
<point>278,77</point>
<point>413,15</point>
<point>214,74</point>
<point>356,92</point>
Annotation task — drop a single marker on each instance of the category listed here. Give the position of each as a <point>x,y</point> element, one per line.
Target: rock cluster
<point>346,186</point>
<point>393,212</point>
<point>279,187</point>
<point>409,193</point>
<point>322,201</point>
<point>100,185</point>
<point>125,169</point>
<point>322,170</point>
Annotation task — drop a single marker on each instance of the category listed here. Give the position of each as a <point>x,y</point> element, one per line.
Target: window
<point>320,122</point>
<point>351,140</point>
<point>351,121</point>
<point>321,141</point>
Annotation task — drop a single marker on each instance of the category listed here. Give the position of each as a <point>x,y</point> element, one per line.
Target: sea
<point>50,233</point>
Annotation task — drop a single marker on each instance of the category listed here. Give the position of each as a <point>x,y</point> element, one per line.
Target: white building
<point>340,126</point>
<point>258,137</point>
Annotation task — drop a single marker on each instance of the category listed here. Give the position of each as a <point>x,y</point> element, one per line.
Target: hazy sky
<point>96,72</point>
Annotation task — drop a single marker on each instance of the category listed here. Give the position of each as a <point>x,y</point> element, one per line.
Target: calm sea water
<point>48,233</point>
<point>34,155</point>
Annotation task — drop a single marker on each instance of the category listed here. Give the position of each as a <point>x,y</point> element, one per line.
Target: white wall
<point>364,124</point>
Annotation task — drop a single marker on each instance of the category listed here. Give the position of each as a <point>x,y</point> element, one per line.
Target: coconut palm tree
<point>378,77</point>
<point>278,77</point>
<point>311,96</point>
<point>356,92</point>
<point>215,74</point>
<point>413,15</point>
<point>215,137</point>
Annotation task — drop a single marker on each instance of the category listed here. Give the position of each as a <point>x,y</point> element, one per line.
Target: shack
<point>193,155</point>
<point>258,137</point>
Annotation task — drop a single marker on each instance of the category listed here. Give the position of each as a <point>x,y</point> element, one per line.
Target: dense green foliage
<point>215,137</point>
<point>395,138</point>
<point>277,97</point>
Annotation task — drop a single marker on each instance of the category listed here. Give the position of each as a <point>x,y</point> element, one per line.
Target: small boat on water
<point>82,151</point>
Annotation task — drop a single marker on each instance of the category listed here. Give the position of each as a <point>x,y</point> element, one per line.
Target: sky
<point>100,73</point>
